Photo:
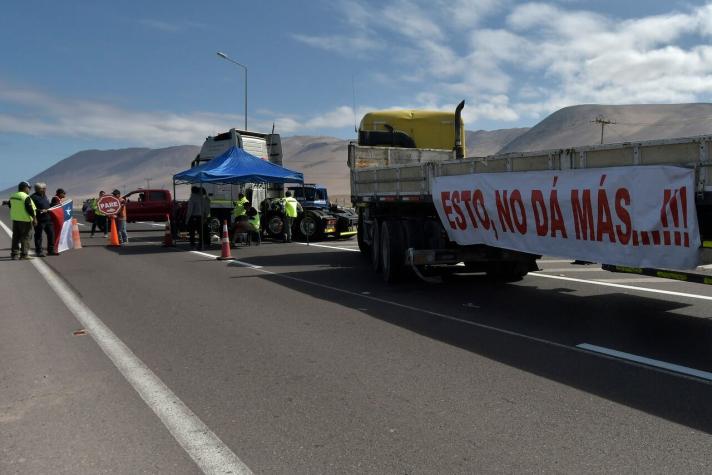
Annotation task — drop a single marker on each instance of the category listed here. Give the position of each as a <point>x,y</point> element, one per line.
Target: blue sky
<point>100,74</point>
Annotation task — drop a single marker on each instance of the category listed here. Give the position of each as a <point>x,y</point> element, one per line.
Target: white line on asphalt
<point>639,280</point>
<point>620,286</point>
<point>647,361</point>
<point>152,224</point>
<point>366,295</point>
<point>555,261</point>
<point>573,269</point>
<point>329,247</point>
<point>242,263</point>
<point>203,445</point>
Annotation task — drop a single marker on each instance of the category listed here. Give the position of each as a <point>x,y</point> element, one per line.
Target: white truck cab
<point>265,146</point>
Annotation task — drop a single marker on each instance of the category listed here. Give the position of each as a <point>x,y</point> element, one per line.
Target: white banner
<point>634,216</point>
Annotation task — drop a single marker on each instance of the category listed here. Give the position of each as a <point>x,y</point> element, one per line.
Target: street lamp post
<point>226,57</point>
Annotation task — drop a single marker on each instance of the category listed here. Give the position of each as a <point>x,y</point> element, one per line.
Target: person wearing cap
<point>99,217</point>
<point>121,218</point>
<point>58,197</point>
<point>44,220</point>
<point>24,217</point>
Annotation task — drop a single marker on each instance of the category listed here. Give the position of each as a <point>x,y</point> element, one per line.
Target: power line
<point>604,122</point>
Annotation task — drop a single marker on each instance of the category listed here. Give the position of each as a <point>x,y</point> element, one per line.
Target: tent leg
<point>304,196</point>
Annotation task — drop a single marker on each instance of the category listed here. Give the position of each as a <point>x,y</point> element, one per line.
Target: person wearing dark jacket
<point>22,213</point>
<point>58,197</point>
<point>44,221</point>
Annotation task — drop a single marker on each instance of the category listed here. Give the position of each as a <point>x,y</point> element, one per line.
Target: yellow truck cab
<point>421,129</point>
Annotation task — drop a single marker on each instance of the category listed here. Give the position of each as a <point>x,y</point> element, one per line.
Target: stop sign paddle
<point>109,205</point>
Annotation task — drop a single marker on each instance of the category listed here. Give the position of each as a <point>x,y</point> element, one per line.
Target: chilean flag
<point>62,221</point>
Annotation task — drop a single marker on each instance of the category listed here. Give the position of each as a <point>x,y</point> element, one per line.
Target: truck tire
<point>310,227</point>
<point>392,251</point>
<point>362,246</point>
<point>376,246</point>
<point>275,226</point>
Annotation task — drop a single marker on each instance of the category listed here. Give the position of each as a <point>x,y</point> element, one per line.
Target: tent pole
<point>304,195</point>
<point>201,233</point>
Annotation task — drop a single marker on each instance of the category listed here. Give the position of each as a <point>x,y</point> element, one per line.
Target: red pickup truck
<point>146,205</point>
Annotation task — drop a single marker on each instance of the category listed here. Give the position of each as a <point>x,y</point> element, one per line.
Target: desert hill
<point>323,159</point>
<point>576,126</point>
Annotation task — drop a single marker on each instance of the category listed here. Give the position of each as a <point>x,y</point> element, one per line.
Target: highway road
<point>297,359</point>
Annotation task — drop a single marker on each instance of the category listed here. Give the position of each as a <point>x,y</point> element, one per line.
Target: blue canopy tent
<point>236,166</point>
<point>233,167</point>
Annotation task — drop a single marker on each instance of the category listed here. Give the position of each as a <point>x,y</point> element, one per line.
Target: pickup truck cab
<point>148,205</point>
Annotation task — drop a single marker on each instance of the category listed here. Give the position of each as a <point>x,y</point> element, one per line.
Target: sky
<point>101,74</point>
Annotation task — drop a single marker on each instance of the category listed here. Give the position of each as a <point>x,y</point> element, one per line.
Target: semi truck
<point>222,197</point>
<point>319,218</point>
<point>423,205</point>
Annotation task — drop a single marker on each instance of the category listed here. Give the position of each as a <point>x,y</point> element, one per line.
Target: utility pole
<point>604,122</point>
<point>148,183</point>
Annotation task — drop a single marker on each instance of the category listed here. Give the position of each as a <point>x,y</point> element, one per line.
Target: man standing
<point>291,210</point>
<point>23,215</point>
<point>44,221</point>
<point>99,217</point>
<point>121,219</point>
<point>196,215</point>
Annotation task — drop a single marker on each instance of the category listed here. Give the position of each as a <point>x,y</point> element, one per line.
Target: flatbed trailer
<point>399,226</point>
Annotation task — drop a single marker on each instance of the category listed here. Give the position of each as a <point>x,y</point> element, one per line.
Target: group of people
<point>246,221</point>
<point>30,213</point>
<point>103,222</point>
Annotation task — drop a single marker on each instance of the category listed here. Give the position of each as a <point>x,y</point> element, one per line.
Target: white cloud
<point>545,56</point>
<point>33,112</point>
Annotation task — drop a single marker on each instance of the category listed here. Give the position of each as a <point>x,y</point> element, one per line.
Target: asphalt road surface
<point>297,359</point>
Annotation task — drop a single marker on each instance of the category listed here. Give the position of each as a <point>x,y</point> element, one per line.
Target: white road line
<point>647,361</point>
<point>329,247</point>
<point>236,261</point>
<point>204,447</point>
<point>555,261</point>
<point>367,296</point>
<point>640,280</point>
<point>162,225</point>
<point>573,269</point>
<point>621,286</point>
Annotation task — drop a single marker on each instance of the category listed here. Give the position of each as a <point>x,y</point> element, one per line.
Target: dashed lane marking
<point>235,261</point>
<point>368,296</point>
<point>647,361</point>
<point>622,286</point>
<point>350,249</point>
<point>203,445</point>
<point>573,269</point>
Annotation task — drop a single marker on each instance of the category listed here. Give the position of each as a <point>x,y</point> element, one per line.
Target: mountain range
<point>323,159</point>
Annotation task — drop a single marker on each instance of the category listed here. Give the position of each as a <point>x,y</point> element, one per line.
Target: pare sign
<point>637,216</point>
<point>109,205</point>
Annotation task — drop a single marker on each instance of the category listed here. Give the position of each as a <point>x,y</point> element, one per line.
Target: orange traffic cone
<point>225,254</point>
<point>75,234</point>
<point>168,235</point>
<point>113,235</point>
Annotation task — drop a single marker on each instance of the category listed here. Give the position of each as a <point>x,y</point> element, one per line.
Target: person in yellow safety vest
<point>253,220</point>
<point>99,217</point>
<point>291,210</point>
<point>240,209</point>
<point>24,218</point>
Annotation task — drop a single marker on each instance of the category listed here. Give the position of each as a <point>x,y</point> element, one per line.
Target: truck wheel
<point>275,226</point>
<point>392,251</point>
<point>376,246</point>
<point>362,246</point>
<point>310,227</point>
